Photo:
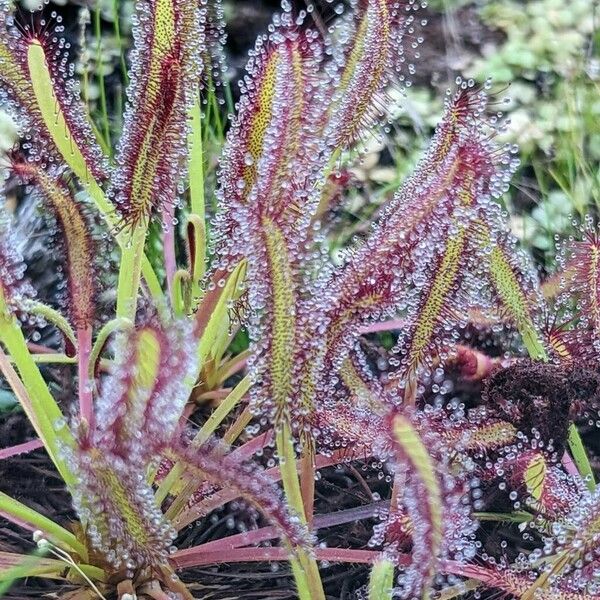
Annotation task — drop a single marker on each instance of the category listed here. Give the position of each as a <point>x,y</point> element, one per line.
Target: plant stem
<point>51,316</point>
<point>193,558</point>
<point>130,273</point>
<point>50,358</point>
<point>304,566</point>
<point>250,538</point>
<point>238,426</point>
<point>117,30</point>
<point>102,338</point>
<point>307,482</point>
<point>28,518</point>
<point>108,212</point>
<point>86,402</point>
<point>381,580</point>
<point>24,448</point>
<point>221,497</point>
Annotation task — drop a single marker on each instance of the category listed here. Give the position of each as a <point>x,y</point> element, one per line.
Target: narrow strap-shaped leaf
<point>124,523</point>
<point>454,179</point>
<point>509,281</point>
<point>33,394</point>
<point>280,324</point>
<point>152,152</point>
<point>374,53</point>
<point>18,566</point>
<point>13,510</point>
<point>17,84</point>
<point>271,149</point>
<point>141,403</point>
<point>55,121</point>
<point>163,89</point>
<point>585,279</point>
<point>435,305</point>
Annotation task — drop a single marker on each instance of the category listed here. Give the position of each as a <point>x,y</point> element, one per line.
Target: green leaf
<point>20,566</point>
<point>580,457</point>
<point>55,121</point>
<point>381,580</point>
<point>196,162</point>
<point>19,513</point>
<point>216,331</point>
<point>33,393</point>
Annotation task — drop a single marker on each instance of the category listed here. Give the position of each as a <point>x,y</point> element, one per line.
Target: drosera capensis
<point>140,453</point>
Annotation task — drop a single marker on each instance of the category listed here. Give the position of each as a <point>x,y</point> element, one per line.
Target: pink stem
<point>194,558</point>
<point>168,215</point>
<point>215,394</point>
<point>263,534</point>
<point>235,366</point>
<point>17,521</point>
<point>86,401</point>
<point>21,449</point>
<point>569,465</point>
<point>483,574</point>
<point>384,326</point>
<point>39,349</point>
<point>247,450</point>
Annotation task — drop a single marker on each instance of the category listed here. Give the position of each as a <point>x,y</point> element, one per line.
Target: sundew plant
<point>139,453</point>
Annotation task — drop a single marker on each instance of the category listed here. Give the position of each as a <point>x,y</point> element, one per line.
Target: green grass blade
<point>33,394</point>
<point>11,508</point>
